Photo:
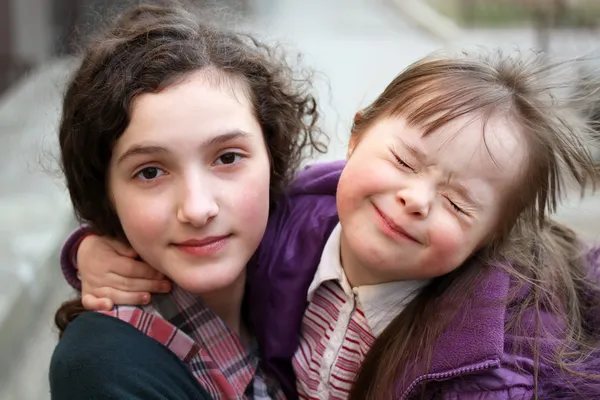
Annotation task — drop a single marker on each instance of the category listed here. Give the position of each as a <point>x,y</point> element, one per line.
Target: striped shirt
<point>341,324</point>
<point>182,323</point>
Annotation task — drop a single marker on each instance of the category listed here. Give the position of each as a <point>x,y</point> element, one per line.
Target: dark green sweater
<point>101,357</point>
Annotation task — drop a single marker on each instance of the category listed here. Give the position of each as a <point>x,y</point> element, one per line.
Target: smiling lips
<point>390,228</point>
<point>203,247</point>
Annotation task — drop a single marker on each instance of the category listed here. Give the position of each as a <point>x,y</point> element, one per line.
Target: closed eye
<point>401,161</point>
<point>456,207</point>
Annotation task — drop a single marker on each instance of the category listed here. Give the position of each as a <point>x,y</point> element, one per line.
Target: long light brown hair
<point>539,253</point>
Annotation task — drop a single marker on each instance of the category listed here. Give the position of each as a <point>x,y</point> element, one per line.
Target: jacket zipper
<point>450,374</point>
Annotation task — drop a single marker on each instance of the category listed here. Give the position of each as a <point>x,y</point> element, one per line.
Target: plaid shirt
<point>188,328</point>
<point>213,353</point>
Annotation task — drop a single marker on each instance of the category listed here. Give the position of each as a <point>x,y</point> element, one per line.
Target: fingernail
<point>146,298</point>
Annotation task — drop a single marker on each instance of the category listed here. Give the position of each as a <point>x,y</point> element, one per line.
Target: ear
<point>353,135</point>
<point>352,144</point>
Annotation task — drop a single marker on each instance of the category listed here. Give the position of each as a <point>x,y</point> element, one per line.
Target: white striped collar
<point>381,303</point>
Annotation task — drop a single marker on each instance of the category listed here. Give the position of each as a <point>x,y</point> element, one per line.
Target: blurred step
<point>35,212</point>
<point>28,378</point>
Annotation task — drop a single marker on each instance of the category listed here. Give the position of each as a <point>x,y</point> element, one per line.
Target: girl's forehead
<point>469,145</point>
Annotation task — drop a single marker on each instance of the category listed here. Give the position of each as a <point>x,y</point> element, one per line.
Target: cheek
<point>252,201</point>
<point>144,217</point>
<point>346,194</point>
<point>249,200</point>
<point>358,181</point>
<point>449,247</point>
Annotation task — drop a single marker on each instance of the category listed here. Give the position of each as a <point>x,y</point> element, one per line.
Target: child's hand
<point>110,275</point>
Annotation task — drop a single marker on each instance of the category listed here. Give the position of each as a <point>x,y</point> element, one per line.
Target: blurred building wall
<point>26,37</point>
<point>32,31</point>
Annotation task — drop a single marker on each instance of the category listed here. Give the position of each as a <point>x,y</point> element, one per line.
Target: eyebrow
<point>464,193</point>
<point>413,150</point>
<point>149,149</point>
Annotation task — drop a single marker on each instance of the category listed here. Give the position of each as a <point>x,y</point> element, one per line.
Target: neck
<point>226,303</point>
<point>356,272</point>
<point>350,264</point>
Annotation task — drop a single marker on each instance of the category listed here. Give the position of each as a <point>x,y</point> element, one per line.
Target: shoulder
<point>493,384</point>
<point>309,204</point>
<point>102,357</point>
<point>317,179</point>
<point>593,259</point>
<point>312,193</point>
<point>514,379</point>
<point>541,334</point>
<point>305,215</point>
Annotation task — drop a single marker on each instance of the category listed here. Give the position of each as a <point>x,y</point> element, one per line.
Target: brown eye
<point>228,158</point>
<point>149,173</point>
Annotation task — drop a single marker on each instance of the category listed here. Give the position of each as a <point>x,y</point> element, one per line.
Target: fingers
<point>140,285</point>
<point>93,303</point>
<point>138,269</point>
<point>122,297</point>
<point>121,248</point>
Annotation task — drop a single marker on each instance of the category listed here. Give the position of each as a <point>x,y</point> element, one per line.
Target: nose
<point>416,199</point>
<point>197,204</point>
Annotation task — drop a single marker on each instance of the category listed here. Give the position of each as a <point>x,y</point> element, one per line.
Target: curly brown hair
<point>149,48</point>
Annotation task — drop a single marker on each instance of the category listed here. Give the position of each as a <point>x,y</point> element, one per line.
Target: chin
<point>208,280</point>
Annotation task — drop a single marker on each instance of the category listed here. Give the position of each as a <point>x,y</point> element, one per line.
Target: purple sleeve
<point>68,256</point>
<point>593,258</point>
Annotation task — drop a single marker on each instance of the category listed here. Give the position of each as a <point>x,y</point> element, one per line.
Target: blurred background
<point>355,46</point>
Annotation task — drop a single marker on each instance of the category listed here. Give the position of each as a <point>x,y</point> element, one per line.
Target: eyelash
<point>137,174</point>
<point>401,161</point>
<point>235,153</point>
<point>141,170</point>
<point>457,208</point>
<point>405,165</point>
